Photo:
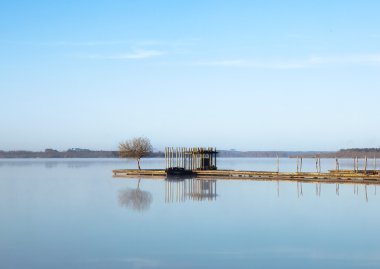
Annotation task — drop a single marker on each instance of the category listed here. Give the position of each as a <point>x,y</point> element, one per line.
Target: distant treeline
<point>348,153</point>
<point>361,150</point>
<point>71,153</point>
<point>265,154</point>
<point>86,153</point>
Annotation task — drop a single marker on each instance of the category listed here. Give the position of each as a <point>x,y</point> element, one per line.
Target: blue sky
<point>249,75</point>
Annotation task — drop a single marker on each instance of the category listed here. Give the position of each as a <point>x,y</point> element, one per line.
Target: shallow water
<point>73,214</point>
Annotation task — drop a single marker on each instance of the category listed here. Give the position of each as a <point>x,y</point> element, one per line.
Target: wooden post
<point>176,157</point>
<point>180,159</point>
<point>365,164</point>
<point>357,164</point>
<point>192,158</point>
<point>186,166</point>
<point>278,164</point>
<point>168,157</point>
<point>374,160</point>
<point>166,164</point>
<point>171,157</point>
<point>337,164</point>
<point>297,164</point>
<point>201,158</point>
<point>301,165</point>
<point>184,158</point>
<point>215,159</point>
<point>316,163</point>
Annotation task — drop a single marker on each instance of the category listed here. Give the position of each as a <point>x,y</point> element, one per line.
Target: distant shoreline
<point>85,153</point>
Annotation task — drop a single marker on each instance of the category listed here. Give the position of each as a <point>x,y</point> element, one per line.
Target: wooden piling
<point>278,164</point>
<point>297,164</point>
<point>374,166</point>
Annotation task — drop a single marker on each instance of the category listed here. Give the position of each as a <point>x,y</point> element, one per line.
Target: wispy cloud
<point>251,64</point>
<point>302,253</point>
<point>139,54</point>
<point>105,43</point>
<point>142,262</point>
<point>62,43</point>
<point>132,262</point>
<point>312,61</point>
<point>347,59</point>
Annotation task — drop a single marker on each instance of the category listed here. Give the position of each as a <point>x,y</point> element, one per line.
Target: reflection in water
<point>135,199</point>
<point>318,189</point>
<point>299,189</point>
<point>337,189</point>
<point>49,165</point>
<point>278,188</point>
<point>356,189</point>
<point>193,189</point>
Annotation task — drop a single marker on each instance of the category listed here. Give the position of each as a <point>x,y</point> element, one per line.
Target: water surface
<point>74,214</point>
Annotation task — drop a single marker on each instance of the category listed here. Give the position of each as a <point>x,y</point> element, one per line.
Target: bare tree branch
<point>135,148</point>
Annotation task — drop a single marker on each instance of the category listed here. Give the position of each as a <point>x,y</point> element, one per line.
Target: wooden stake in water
<point>356,164</point>
<point>301,165</point>
<point>316,164</point>
<point>337,164</point>
<point>297,164</point>
<point>365,164</point>
<point>374,160</point>
<point>278,164</point>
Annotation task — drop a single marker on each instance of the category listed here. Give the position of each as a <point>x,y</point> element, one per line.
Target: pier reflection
<point>135,199</point>
<point>180,190</point>
<point>318,189</point>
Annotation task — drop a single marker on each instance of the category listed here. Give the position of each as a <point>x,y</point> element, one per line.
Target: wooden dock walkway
<point>333,176</point>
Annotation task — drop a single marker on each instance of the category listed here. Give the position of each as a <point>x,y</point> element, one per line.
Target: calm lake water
<point>74,214</point>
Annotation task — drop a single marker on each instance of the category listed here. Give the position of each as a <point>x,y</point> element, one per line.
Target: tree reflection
<point>135,199</point>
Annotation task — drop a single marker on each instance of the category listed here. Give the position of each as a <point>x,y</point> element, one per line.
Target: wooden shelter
<point>190,159</point>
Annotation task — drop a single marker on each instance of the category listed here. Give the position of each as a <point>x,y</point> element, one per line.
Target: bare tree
<point>135,148</point>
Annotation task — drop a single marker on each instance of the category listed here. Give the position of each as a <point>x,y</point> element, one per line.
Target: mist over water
<point>74,214</point>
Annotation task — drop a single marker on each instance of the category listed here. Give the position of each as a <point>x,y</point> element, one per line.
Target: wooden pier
<point>342,176</point>
<point>201,163</point>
